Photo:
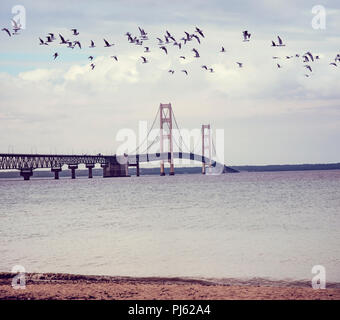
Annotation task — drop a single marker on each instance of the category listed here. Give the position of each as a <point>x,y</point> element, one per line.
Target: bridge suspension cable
<point>136,151</point>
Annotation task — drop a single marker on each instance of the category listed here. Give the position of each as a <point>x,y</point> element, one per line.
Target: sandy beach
<point>67,287</point>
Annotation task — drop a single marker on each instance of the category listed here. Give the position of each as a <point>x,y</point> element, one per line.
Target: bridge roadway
<point>113,166</point>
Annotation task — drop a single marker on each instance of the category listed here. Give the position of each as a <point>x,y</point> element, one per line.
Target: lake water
<point>274,225</point>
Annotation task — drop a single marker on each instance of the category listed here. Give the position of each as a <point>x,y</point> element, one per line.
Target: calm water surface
<point>276,225</point>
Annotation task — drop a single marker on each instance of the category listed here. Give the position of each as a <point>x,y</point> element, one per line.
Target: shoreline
<point>59,286</point>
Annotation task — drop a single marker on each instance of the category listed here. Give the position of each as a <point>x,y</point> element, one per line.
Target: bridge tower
<point>206,146</point>
<point>165,111</point>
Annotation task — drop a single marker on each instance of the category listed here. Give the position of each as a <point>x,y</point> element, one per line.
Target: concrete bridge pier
<point>26,173</point>
<point>116,168</point>
<point>73,168</point>
<point>90,166</point>
<point>56,172</point>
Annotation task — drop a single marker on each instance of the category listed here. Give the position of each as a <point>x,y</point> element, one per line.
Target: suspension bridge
<point>118,165</point>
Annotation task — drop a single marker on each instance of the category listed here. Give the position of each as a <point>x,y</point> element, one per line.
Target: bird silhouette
<point>92,44</point>
<point>246,36</point>
<point>42,42</point>
<point>199,31</point>
<point>77,43</point>
<point>144,60</point>
<point>240,64</point>
<point>16,26</point>
<point>114,57</point>
<point>197,38</point>
<point>164,49</point>
<point>63,41</point>
<point>185,71</point>
<point>196,53</point>
<point>55,55</point>
<point>75,32</point>
<point>107,44</point>
<point>309,68</point>
<point>92,66</point>
<point>222,50</point>
<point>280,43</point>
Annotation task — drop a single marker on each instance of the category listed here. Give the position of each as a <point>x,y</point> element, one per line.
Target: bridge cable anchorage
<point>136,151</point>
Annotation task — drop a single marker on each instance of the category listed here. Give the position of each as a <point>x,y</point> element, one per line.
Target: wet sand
<point>66,286</point>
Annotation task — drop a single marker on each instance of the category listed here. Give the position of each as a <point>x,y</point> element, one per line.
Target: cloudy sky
<point>269,115</point>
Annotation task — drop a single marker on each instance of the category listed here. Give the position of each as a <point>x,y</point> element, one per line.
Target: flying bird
<point>280,43</point>
<point>310,56</point>
<point>92,44</point>
<point>333,64</point>
<point>70,45</point>
<point>197,38</point>
<point>42,42</point>
<point>196,53</point>
<point>171,71</point>
<point>55,55</point>
<point>240,64</point>
<point>77,43</point>
<point>142,33</point>
<point>309,68</point>
<point>164,48</point>
<point>222,50</point>
<point>144,60</point>
<point>279,66</point>
<point>114,57</point>
<point>75,32</point>
<point>186,72</point>
<point>199,31</point>
<point>211,70</point>
<point>107,44</point>
<point>6,30</point>
<point>63,41</point>
<point>204,67</point>
<point>182,57</point>
<point>52,36</point>
<point>246,36</point>
<point>91,58</point>
<point>178,44</point>
<point>92,66</point>
<point>147,49</point>
<point>16,26</point>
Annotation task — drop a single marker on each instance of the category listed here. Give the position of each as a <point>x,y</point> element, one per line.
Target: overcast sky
<point>269,115</point>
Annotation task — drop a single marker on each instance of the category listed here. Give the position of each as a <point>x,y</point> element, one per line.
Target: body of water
<point>271,225</point>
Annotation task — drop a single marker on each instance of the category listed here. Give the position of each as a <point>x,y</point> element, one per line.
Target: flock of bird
<point>164,44</point>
